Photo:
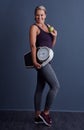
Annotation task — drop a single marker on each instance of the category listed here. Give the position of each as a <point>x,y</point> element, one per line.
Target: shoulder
<point>34,30</point>
<point>48,25</point>
<point>33,27</point>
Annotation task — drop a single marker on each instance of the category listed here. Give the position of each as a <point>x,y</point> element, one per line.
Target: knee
<point>56,87</point>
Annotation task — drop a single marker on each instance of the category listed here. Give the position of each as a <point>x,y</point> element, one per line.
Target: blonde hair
<point>40,8</point>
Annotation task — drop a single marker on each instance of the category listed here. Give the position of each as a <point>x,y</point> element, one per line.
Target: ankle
<point>46,112</point>
<point>37,113</point>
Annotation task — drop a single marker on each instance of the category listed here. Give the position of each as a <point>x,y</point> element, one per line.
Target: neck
<point>41,24</point>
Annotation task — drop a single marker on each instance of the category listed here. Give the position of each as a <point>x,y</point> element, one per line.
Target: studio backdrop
<point>17,84</point>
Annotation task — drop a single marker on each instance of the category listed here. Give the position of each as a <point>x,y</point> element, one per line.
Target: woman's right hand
<point>37,65</point>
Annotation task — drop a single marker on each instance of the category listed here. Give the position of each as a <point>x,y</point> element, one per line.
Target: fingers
<point>54,33</point>
<point>37,65</point>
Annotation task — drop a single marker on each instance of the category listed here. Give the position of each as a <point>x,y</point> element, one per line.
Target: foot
<point>46,118</point>
<point>38,120</point>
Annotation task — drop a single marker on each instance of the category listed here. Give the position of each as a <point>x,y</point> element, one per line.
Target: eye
<point>37,15</point>
<point>41,14</point>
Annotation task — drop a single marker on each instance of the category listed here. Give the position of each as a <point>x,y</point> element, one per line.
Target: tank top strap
<point>36,25</point>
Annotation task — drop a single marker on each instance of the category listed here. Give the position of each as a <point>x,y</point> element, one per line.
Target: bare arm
<point>32,37</point>
<point>54,33</point>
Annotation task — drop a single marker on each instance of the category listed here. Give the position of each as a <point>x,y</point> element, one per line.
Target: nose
<point>39,17</point>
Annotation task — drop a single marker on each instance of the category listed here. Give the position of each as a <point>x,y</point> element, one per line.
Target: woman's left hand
<point>54,33</point>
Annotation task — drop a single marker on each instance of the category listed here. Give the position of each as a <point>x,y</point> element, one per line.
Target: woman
<point>39,35</point>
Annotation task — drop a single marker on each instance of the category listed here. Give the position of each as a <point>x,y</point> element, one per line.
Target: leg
<point>38,93</point>
<point>51,79</point>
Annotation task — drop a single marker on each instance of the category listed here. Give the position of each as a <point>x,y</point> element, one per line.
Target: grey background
<point>17,84</point>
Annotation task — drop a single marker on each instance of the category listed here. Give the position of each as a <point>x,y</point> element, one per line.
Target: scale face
<point>42,54</point>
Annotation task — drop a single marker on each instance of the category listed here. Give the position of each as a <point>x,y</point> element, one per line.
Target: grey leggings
<point>46,75</point>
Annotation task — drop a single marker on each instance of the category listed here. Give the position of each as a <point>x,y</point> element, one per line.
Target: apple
<point>51,29</point>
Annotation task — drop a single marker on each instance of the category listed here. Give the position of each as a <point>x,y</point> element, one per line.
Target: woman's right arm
<point>32,38</point>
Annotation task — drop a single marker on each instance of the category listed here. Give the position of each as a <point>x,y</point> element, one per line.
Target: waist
<point>41,44</point>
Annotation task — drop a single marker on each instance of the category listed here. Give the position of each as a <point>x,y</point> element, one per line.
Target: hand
<point>54,33</point>
<point>37,65</point>
<point>52,30</point>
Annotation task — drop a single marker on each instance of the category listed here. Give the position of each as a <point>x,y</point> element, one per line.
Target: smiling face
<point>40,16</point>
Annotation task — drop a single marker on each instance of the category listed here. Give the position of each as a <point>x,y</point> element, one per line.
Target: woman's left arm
<point>54,34</point>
